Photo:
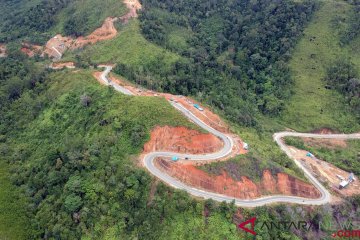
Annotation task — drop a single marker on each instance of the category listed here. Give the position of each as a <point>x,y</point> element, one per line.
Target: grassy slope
<point>129,47</point>
<point>308,64</point>
<point>303,112</point>
<point>13,223</point>
<point>149,111</point>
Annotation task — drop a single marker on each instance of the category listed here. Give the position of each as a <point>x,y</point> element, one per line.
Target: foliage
<point>38,20</point>
<point>353,29</point>
<point>13,216</point>
<point>346,158</point>
<point>129,48</point>
<point>313,105</point>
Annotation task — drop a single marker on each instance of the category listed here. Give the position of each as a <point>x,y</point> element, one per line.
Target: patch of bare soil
<point>133,6</point>
<point>324,131</point>
<point>57,45</point>
<point>61,65</point>
<point>98,78</point>
<point>326,143</point>
<point>244,189</point>
<point>327,173</point>
<point>2,50</point>
<point>182,140</point>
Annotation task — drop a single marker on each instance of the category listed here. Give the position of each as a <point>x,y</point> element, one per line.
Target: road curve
<point>148,160</point>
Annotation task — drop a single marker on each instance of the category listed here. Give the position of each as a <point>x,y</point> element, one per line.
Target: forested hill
<point>38,20</point>
<point>235,52</point>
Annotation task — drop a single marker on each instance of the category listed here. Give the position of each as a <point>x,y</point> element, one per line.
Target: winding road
<point>148,160</point>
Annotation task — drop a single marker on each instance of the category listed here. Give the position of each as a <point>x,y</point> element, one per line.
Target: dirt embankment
<point>182,140</point>
<point>244,189</point>
<point>206,115</point>
<point>326,172</point>
<point>61,65</point>
<point>2,50</point>
<point>57,45</point>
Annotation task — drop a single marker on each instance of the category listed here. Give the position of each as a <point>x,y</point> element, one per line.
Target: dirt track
<point>2,50</point>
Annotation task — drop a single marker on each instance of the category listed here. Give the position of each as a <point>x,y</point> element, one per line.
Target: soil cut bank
<point>2,50</point>
<point>56,46</point>
<point>244,189</point>
<point>182,140</point>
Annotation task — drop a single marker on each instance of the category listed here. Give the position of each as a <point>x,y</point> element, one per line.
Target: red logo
<point>243,224</point>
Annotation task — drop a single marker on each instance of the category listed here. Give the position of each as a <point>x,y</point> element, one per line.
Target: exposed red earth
<point>244,189</point>
<point>61,65</point>
<point>182,140</point>
<point>2,50</point>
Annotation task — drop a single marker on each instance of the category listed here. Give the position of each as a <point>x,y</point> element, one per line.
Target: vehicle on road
<point>174,159</point>
<point>198,107</point>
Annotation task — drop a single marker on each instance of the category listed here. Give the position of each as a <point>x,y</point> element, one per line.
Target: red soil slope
<point>182,140</point>
<point>61,65</point>
<point>244,189</point>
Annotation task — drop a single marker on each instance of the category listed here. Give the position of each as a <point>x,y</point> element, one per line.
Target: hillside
<point>72,150</point>
<point>37,21</point>
<point>313,106</point>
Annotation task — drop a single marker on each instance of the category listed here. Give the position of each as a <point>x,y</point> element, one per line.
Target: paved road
<point>228,145</point>
<point>117,87</point>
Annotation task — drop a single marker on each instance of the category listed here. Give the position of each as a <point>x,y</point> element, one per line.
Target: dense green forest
<point>353,22</point>
<point>345,78</point>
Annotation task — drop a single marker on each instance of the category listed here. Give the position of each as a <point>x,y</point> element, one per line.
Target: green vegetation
<point>13,221</point>
<point>346,158</point>
<point>352,31</point>
<point>129,48</point>
<point>252,79</point>
<point>37,21</point>
<point>263,154</point>
<point>83,17</point>
<point>313,106</point>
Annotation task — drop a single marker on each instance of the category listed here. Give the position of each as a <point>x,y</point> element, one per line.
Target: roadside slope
<point>312,105</point>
